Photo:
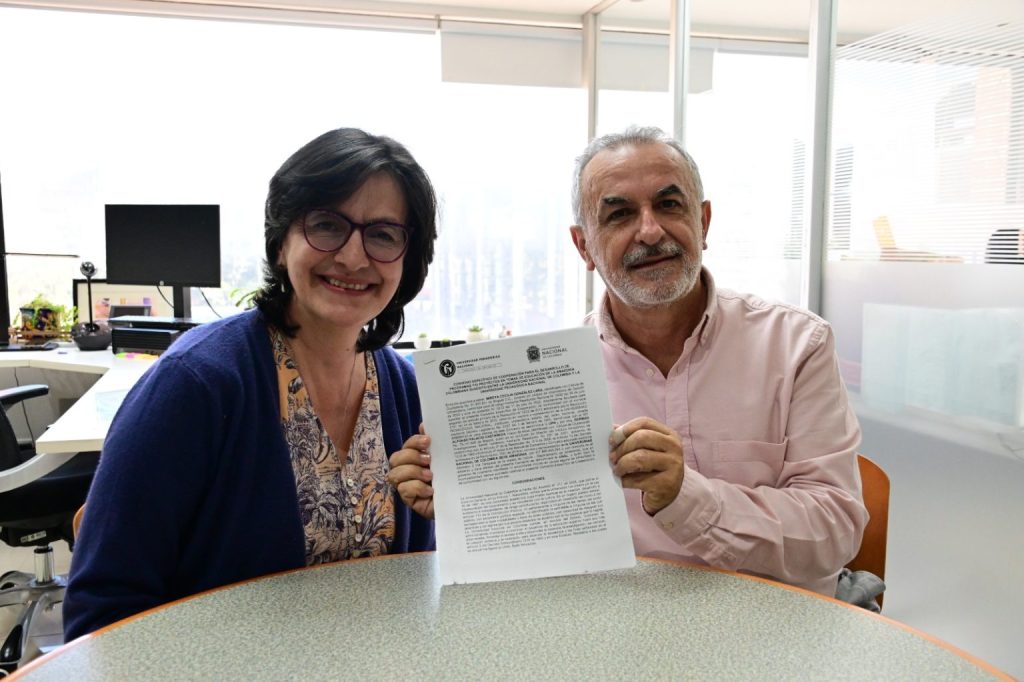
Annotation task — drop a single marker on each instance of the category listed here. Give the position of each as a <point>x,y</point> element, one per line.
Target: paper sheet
<point>522,483</point>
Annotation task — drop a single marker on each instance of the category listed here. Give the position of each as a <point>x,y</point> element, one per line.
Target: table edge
<point>970,658</point>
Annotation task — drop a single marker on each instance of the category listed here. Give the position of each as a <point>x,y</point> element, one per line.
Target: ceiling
<point>782,19</point>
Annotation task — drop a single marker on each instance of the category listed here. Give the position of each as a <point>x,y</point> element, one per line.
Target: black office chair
<point>34,515</point>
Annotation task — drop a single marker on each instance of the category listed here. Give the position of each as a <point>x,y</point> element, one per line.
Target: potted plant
<point>422,341</point>
<point>41,318</point>
<point>26,318</point>
<point>475,333</point>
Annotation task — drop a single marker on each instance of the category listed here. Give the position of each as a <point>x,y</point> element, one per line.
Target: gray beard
<point>636,291</point>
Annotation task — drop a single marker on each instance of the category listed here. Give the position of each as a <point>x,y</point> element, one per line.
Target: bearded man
<point>737,444</point>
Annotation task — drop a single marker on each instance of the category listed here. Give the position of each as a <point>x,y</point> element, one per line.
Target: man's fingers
<point>638,481</point>
<point>617,437</point>
<point>647,440</point>
<point>643,461</point>
<point>645,424</point>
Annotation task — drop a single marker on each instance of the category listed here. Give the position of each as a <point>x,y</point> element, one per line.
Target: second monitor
<point>175,245</point>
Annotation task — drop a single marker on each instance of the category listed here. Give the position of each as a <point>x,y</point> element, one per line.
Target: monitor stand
<point>182,297</point>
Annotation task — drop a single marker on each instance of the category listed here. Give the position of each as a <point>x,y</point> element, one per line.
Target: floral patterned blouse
<point>346,505</point>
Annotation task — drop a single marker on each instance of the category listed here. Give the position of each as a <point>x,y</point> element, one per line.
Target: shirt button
<point>351,482</point>
<point>667,525</point>
<point>358,518</point>
<point>359,537</point>
<point>354,500</point>
<point>650,372</point>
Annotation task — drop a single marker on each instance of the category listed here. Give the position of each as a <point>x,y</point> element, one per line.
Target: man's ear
<point>705,221</point>
<point>579,238</point>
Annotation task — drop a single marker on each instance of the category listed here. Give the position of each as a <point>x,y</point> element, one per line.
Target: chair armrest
<point>13,396</point>
<point>37,467</point>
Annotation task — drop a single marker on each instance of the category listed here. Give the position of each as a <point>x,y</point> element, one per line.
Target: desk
<point>389,618</point>
<point>84,426</point>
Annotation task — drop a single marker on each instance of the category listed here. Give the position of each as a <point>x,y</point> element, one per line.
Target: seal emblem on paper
<point>447,368</point>
<point>533,354</point>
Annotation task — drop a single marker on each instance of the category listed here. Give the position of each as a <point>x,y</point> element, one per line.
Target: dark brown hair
<point>327,171</point>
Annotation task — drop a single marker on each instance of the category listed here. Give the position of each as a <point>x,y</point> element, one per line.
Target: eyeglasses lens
<point>329,231</point>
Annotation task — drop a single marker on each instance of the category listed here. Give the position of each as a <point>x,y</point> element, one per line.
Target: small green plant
<point>476,328</point>
<point>244,298</point>
<point>422,335</point>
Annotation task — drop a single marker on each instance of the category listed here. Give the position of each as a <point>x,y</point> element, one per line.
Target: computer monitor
<point>167,245</point>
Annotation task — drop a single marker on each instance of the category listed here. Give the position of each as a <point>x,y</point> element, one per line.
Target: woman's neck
<point>334,375</point>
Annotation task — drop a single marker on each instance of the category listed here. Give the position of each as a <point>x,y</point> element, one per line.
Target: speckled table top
<point>391,618</point>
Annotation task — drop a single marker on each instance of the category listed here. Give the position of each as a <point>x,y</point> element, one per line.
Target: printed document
<point>519,432</point>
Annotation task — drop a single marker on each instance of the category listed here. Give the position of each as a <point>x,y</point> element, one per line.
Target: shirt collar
<point>601,317</point>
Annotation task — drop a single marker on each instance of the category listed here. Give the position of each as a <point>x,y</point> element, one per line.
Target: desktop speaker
<point>140,340</point>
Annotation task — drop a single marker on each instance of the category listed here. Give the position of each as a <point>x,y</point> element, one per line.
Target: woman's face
<point>345,289</point>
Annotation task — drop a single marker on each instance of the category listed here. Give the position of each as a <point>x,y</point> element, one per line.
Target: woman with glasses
<point>260,442</point>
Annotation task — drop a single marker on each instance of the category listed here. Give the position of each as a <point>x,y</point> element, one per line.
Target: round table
<point>391,618</point>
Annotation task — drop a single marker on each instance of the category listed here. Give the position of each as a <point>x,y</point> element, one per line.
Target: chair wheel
<point>12,579</point>
<point>10,650</point>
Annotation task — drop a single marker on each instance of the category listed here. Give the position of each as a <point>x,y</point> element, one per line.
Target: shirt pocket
<point>749,463</point>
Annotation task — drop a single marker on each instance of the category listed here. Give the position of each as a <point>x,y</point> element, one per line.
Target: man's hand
<point>411,475</point>
<point>648,456</point>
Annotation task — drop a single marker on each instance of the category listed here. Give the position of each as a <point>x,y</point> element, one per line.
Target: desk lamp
<point>90,335</point>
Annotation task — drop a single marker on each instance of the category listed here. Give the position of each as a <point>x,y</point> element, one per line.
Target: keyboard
<point>49,345</point>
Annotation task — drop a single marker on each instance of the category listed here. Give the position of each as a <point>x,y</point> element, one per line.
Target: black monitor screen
<point>163,245</point>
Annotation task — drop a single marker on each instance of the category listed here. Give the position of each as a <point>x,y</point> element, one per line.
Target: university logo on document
<point>533,354</point>
<point>447,368</point>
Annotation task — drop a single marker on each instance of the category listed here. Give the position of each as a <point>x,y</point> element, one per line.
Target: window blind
<point>928,135</point>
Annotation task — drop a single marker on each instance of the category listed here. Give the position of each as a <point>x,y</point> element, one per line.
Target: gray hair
<point>631,136</point>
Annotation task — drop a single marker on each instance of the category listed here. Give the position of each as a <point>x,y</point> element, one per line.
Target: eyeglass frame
<point>362,233</point>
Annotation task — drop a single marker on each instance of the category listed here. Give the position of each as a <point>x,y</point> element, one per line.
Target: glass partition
<point>928,156</point>
<point>925,290</point>
<point>746,128</point>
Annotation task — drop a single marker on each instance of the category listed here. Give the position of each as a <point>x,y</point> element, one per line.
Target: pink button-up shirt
<point>771,484</point>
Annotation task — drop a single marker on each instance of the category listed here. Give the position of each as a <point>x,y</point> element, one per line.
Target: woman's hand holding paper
<point>411,475</point>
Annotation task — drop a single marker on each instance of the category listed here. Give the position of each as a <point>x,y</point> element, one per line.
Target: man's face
<point>644,226</point>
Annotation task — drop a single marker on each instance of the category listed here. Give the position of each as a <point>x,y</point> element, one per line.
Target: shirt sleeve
<point>807,527</point>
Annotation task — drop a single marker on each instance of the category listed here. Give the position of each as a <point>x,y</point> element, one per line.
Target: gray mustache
<point>641,252</point>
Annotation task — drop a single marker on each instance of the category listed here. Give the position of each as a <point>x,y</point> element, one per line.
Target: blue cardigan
<point>195,489</point>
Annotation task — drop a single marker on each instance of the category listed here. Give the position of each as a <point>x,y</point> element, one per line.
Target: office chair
<point>34,514</point>
<point>875,485</point>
